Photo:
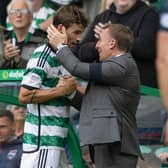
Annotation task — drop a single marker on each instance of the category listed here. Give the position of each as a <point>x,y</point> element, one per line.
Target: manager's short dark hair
<point>122,34</point>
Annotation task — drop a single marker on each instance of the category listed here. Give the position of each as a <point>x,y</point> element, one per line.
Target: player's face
<point>74,33</point>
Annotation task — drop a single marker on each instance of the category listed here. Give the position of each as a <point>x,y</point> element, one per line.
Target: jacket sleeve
<point>109,72</point>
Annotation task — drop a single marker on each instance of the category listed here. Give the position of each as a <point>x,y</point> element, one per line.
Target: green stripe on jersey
<point>44,140</point>
<point>50,82</point>
<point>47,120</point>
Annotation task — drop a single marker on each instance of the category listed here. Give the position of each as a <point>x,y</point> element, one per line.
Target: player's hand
<point>68,85</point>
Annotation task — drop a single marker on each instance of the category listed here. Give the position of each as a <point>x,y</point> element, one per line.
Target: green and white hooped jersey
<point>38,17</point>
<point>45,125</point>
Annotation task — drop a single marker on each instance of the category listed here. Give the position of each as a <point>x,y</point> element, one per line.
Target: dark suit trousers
<point>109,156</point>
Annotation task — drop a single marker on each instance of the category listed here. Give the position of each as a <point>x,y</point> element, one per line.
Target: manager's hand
<point>56,36</point>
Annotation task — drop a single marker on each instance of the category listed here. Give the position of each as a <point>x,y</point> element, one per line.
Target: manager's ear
<point>112,43</point>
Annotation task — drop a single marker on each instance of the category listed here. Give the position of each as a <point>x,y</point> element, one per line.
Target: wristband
<point>61,45</point>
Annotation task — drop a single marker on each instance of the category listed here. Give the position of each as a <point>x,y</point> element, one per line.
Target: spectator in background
<point>162,66</point>
<point>157,4</point>
<point>48,101</point>
<point>107,117</point>
<point>62,2</point>
<point>67,2</point>
<point>143,21</point>
<point>42,15</point>
<point>10,144</point>
<point>91,7</point>
<point>19,118</point>
<point>147,2</point>
<point>19,43</point>
<point>105,4</point>
<point>56,4</point>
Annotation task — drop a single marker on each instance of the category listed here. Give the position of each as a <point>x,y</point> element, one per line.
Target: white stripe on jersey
<point>62,111</point>
<point>46,130</point>
<point>30,147</point>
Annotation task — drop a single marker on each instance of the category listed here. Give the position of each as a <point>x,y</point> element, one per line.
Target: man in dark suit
<point>107,118</point>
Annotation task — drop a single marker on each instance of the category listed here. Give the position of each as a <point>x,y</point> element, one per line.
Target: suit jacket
<point>109,105</point>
